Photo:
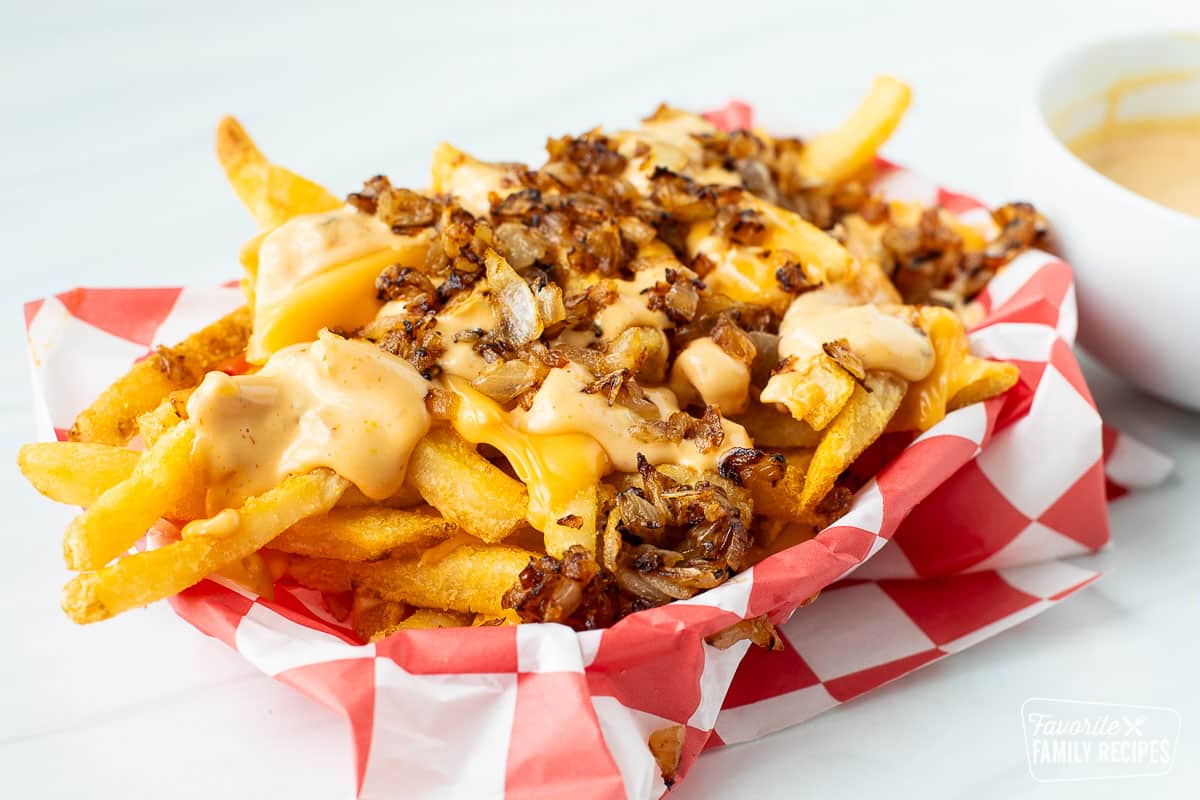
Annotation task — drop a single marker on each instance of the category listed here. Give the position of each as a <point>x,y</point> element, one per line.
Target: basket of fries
<point>536,475</point>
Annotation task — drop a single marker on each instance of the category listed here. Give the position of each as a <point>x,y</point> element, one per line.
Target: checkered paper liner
<point>954,539</point>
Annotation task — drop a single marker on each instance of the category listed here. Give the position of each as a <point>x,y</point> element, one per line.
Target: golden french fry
<point>467,488</point>
<point>574,523</point>
<point>772,428</point>
<point>206,546</point>
<point>433,618</point>
<point>958,378</point>
<point>507,617</point>
<point>813,392</point>
<point>75,473</point>
<point>373,618</point>
<point>782,501</point>
<point>773,535</point>
<point>162,479</point>
<point>859,424</point>
<point>365,533</point>
<point>166,415</point>
<point>112,417</point>
<point>251,573</point>
<point>471,579</point>
<point>842,153</point>
<point>990,378</point>
<point>272,194</point>
<point>407,497</point>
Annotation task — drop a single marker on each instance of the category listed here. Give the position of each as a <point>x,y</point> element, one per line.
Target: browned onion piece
<point>513,303</point>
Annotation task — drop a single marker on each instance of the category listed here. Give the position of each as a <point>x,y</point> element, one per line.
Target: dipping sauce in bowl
<point>1111,155</point>
<point>1159,158</point>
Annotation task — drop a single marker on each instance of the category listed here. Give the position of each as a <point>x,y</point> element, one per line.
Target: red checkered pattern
<point>954,539</point>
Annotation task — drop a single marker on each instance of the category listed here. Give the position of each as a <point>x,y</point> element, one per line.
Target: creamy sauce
<point>560,406</point>
<point>470,180</point>
<point>669,141</point>
<point>556,468</point>
<point>883,337</point>
<point>466,313</point>
<point>334,403</point>
<point>313,243</point>
<point>630,309</point>
<point>713,375</point>
<point>1159,158</point>
<point>746,273</point>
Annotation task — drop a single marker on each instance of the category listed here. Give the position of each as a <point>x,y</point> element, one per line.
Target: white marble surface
<point>106,177</point>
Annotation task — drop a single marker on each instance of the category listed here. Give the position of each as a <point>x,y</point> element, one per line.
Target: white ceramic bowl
<point>1137,263</point>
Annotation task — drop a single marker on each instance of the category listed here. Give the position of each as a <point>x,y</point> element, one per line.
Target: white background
<point>107,178</point>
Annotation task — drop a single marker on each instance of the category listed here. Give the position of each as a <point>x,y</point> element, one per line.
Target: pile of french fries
<point>446,548</point>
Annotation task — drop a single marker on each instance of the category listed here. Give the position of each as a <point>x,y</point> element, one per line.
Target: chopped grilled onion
<point>743,465</point>
<point>758,630</point>
<point>513,303</point>
<point>505,381</point>
<point>666,745</point>
<point>733,340</point>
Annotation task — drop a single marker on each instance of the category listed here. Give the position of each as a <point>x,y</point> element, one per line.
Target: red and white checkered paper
<point>963,529</point>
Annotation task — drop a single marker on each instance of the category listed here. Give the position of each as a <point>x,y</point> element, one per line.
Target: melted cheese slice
<point>668,139</point>
<point>556,468</point>
<point>336,403</point>
<point>957,378</point>
<point>318,271</point>
<point>745,273</point>
<point>631,308</point>
<point>561,406</point>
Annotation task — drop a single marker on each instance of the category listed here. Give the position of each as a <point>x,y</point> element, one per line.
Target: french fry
<point>206,546</point>
<point>470,579</point>
<point>365,533</point>
<point>166,415</point>
<point>161,480</point>
<point>433,618</point>
<point>573,524</point>
<point>251,573</point>
<point>773,535</point>
<point>958,378</point>
<point>467,488</point>
<point>814,392</point>
<point>373,618</point>
<point>990,378</point>
<point>407,497</point>
<point>75,473</point>
<point>272,194</point>
<point>112,417</point>
<point>859,424</point>
<point>842,153</point>
<point>772,428</point>
<point>783,500</point>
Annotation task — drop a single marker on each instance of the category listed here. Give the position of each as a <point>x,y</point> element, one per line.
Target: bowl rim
<point>1056,68</point>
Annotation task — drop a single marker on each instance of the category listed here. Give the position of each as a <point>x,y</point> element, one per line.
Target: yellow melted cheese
<point>318,271</point>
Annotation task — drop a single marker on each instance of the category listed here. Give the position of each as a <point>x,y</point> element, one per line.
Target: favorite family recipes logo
<point>1070,740</point>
